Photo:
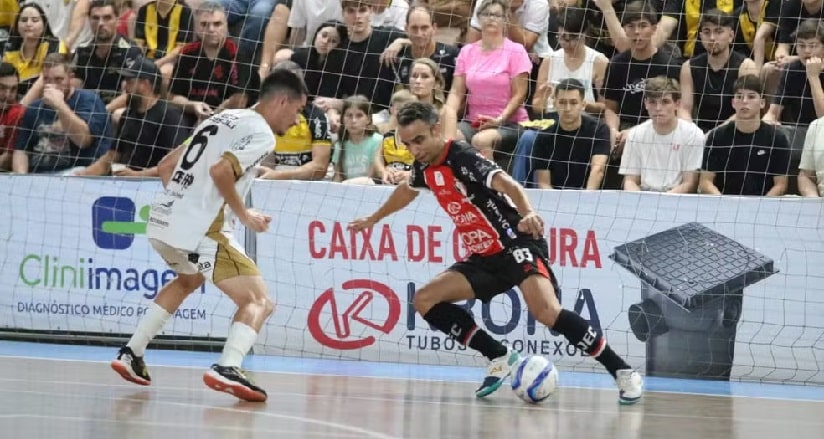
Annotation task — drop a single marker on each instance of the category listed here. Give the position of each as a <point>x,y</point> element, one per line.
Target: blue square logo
<point>113,223</point>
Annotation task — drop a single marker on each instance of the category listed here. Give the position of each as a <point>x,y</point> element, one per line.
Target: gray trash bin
<point>692,285</point>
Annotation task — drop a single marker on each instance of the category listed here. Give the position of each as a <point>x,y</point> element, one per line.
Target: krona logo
<point>340,340</point>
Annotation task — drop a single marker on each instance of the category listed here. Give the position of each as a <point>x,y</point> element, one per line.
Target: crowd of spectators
<point>700,96</point>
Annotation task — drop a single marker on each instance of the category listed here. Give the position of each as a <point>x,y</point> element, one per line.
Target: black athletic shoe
<point>233,381</point>
<point>131,367</point>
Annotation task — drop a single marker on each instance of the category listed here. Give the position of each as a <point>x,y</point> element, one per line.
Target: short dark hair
<point>717,17</point>
<point>570,84</point>
<point>102,4</point>
<point>573,20</point>
<point>416,110</point>
<point>809,29</point>
<point>7,69</point>
<point>283,81</point>
<point>640,10</point>
<point>750,83</point>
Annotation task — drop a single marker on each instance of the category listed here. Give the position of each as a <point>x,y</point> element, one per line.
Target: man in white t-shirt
<point>811,168</point>
<point>390,13</point>
<point>190,226</point>
<point>664,153</point>
<point>306,17</point>
<point>529,26</point>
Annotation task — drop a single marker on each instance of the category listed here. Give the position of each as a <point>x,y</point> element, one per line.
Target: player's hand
<point>256,221</point>
<point>533,224</point>
<point>361,224</point>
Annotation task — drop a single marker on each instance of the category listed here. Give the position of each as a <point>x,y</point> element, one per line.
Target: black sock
<point>611,361</point>
<point>454,321</point>
<point>586,338</point>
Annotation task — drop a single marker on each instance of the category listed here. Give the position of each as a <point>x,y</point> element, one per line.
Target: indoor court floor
<point>69,392</point>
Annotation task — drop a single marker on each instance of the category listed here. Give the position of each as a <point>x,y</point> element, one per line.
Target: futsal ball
<point>535,379</point>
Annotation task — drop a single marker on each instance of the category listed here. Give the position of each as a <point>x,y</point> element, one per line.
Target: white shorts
<point>218,257</point>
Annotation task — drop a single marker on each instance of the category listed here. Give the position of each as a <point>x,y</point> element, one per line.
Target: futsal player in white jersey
<point>206,180</point>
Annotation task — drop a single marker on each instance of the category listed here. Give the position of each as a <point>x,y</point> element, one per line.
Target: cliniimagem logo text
<point>114,227</point>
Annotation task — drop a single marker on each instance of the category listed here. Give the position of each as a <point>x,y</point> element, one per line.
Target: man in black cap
<point>149,128</point>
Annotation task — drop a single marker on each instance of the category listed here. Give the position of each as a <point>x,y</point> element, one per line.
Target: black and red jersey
<point>486,220</point>
<point>201,79</point>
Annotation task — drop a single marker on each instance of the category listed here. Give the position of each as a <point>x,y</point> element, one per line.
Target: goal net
<point>702,286</point>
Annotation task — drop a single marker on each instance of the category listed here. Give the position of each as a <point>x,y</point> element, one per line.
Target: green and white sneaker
<point>497,372</point>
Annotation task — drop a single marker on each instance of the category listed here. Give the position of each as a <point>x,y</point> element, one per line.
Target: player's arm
<point>167,164</point>
<point>400,198</point>
<point>224,174</point>
<point>531,222</point>
<point>503,183</point>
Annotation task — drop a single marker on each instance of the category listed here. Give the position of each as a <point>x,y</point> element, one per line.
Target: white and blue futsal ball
<point>535,379</point>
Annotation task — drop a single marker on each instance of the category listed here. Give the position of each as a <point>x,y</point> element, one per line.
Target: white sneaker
<point>497,371</point>
<point>630,385</point>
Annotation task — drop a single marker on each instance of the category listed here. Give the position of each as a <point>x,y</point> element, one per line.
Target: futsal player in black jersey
<point>507,247</point>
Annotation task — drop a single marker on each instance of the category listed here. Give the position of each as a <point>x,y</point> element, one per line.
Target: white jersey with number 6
<point>191,206</point>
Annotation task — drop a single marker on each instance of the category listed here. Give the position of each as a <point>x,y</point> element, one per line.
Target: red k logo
<point>341,339</point>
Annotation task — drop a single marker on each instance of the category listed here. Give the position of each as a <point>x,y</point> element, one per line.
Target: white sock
<point>240,341</point>
<point>149,326</point>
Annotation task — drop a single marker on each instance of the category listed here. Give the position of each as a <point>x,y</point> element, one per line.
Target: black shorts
<point>495,274</point>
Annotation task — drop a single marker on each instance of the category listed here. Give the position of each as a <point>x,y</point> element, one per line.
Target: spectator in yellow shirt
<point>30,40</point>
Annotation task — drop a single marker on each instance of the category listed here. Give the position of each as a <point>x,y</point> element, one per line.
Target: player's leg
<point>129,362</point>
<point>539,294</point>
<point>238,277</point>
<point>435,302</point>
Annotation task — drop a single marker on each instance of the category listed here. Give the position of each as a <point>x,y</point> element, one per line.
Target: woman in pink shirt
<point>491,75</point>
